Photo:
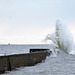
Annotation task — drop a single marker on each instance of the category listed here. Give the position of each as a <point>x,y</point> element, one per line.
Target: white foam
<point>62,38</point>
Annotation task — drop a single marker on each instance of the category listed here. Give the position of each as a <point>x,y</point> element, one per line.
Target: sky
<point>29,21</point>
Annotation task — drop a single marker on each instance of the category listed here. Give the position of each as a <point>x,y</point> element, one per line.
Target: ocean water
<point>16,49</point>
<point>63,64</point>
<point>62,38</point>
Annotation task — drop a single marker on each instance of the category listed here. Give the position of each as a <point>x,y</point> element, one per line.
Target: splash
<point>62,38</point>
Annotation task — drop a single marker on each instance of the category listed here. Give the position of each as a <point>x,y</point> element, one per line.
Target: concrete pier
<point>9,62</point>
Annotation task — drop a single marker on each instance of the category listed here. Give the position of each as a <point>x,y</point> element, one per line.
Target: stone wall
<point>4,65</point>
<point>13,61</point>
<point>38,50</point>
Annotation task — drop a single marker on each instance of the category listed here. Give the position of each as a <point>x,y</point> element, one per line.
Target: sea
<point>8,49</point>
<point>62,64</point>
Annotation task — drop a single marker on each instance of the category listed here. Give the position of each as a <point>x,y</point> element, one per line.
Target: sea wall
<point>7,63</point>
<point>3,63</point>
<point>37,50</point>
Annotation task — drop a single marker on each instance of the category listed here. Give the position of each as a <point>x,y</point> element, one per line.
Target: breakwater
<point>10,62</point>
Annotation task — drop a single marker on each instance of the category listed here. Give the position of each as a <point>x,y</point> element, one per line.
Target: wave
<point>61,38</point>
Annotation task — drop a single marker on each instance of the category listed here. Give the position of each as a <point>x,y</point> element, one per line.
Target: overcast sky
<point>29,21</point>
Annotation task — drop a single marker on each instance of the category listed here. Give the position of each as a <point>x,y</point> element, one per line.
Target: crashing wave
<point>62,38</point>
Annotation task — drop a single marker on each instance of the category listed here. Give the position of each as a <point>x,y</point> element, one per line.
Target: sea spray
<point>62,38</point>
